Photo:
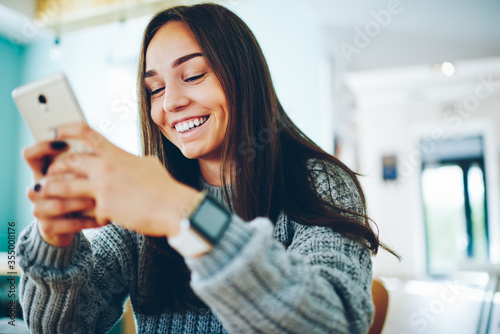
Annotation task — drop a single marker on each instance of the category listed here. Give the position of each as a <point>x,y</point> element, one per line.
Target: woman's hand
<point>57,223</point>
<point>135,192</point>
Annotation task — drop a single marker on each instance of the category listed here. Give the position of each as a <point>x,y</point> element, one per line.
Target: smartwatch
<point>202,229</point>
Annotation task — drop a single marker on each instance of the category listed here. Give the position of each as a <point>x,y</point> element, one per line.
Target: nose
<point>174,98</point>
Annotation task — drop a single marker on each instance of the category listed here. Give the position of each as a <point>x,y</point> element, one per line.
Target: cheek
<point>224,111</point>
<point>159,118</point>
<point>157,114</point>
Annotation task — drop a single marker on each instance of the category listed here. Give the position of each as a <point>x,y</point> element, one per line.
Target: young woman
<point>232,221</point>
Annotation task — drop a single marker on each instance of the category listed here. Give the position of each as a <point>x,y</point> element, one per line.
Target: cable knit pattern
<point>305,279</point>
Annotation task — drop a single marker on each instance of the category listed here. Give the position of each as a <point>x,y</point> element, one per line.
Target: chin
<point>190,154</point>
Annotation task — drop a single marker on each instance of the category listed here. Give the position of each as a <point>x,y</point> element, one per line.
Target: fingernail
<point>46,164</point>
<point>37,187</point>
<point>58,145</point>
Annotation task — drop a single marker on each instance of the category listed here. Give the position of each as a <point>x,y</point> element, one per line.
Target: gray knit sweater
<point>307,279</point>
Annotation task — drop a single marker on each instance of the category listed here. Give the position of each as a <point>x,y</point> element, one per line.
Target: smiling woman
<point>231,221</point>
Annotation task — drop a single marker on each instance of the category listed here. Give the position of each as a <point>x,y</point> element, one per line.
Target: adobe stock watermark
<point>420,320</point>
<point>125,108</point>
<point>452,120</point>
<point>29,28</point>
<point>371,29</point>
<point>250,148</point>
<point>463,110</point>
<point>78,148</point>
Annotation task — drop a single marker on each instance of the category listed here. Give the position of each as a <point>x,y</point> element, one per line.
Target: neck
<point>210,171</point>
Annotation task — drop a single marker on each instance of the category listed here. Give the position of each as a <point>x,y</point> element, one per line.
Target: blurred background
<point>405,92</point>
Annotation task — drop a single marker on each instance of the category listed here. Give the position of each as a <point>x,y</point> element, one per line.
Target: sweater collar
<point>214,191</point>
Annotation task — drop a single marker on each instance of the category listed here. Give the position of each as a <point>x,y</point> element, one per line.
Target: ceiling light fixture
<point>447,68</point>
<point>55,50</point>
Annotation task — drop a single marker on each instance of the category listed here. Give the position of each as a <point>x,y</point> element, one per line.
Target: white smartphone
<point>46,104</point>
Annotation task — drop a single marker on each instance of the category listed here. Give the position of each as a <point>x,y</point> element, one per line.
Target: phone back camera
<point>42,99</point>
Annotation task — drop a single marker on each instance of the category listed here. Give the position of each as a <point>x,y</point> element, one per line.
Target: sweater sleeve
<point>320,284</point>
<point>80,288</point>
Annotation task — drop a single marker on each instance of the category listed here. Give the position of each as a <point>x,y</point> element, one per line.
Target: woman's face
<point>187,100</point>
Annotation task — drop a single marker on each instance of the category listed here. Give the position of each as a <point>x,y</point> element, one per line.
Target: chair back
<point>380,298</point>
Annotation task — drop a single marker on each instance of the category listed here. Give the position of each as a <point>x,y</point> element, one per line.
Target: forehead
<point>171,41</point>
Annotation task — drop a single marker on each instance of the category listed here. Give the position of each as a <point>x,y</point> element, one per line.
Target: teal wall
<point>11,71</point>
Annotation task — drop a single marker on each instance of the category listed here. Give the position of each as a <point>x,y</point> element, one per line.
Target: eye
<point>156,91</point>
<point>196,77</point>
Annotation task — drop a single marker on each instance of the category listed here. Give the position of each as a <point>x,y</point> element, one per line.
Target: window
<point>454,203</point>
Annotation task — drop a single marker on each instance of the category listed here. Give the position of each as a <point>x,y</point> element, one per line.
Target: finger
<point>62,225</point>
<point>34,192</point>
<point>102,221</point>
<point>93,139</point>
<point>55,207</point>
<point>40,155</point>
<point>80,165</point>
<point>74,163</point>
<point>64,187</point>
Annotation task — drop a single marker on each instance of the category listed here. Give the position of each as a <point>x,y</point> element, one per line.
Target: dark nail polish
<point>46,164</point>
<point>58,145</point>
<point>75,214</point>
<point>37,187</point>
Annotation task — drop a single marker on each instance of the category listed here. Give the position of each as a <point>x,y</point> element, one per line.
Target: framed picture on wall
<point>389,168</point>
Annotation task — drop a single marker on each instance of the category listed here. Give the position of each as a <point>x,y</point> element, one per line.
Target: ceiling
<point>403,32</point>
<point>419,31</point>
<point>25,20</point>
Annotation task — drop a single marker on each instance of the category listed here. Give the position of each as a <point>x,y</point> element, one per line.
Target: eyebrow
<point>175,63</point>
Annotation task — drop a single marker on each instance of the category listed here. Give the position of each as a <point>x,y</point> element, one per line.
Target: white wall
<point>290,36</point>
<point>396,108</point>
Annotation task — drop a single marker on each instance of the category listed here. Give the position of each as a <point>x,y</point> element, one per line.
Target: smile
<point>190,124</point>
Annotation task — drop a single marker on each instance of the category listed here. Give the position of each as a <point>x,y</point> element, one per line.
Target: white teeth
<point>182,127</point>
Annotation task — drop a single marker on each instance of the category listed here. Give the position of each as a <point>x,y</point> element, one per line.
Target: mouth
<point>191,124</point>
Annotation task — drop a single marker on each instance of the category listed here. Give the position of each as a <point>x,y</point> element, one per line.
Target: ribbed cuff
<point>33,249</point>
<point>235,237</point>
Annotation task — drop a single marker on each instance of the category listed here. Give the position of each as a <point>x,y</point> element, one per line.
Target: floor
<point>438,307</point>
<point>423,307</point>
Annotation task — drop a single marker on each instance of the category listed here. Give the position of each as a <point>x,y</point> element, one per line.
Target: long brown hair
<point>264,153</point>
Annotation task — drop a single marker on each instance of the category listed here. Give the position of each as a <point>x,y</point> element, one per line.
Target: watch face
<point>210,219</point>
